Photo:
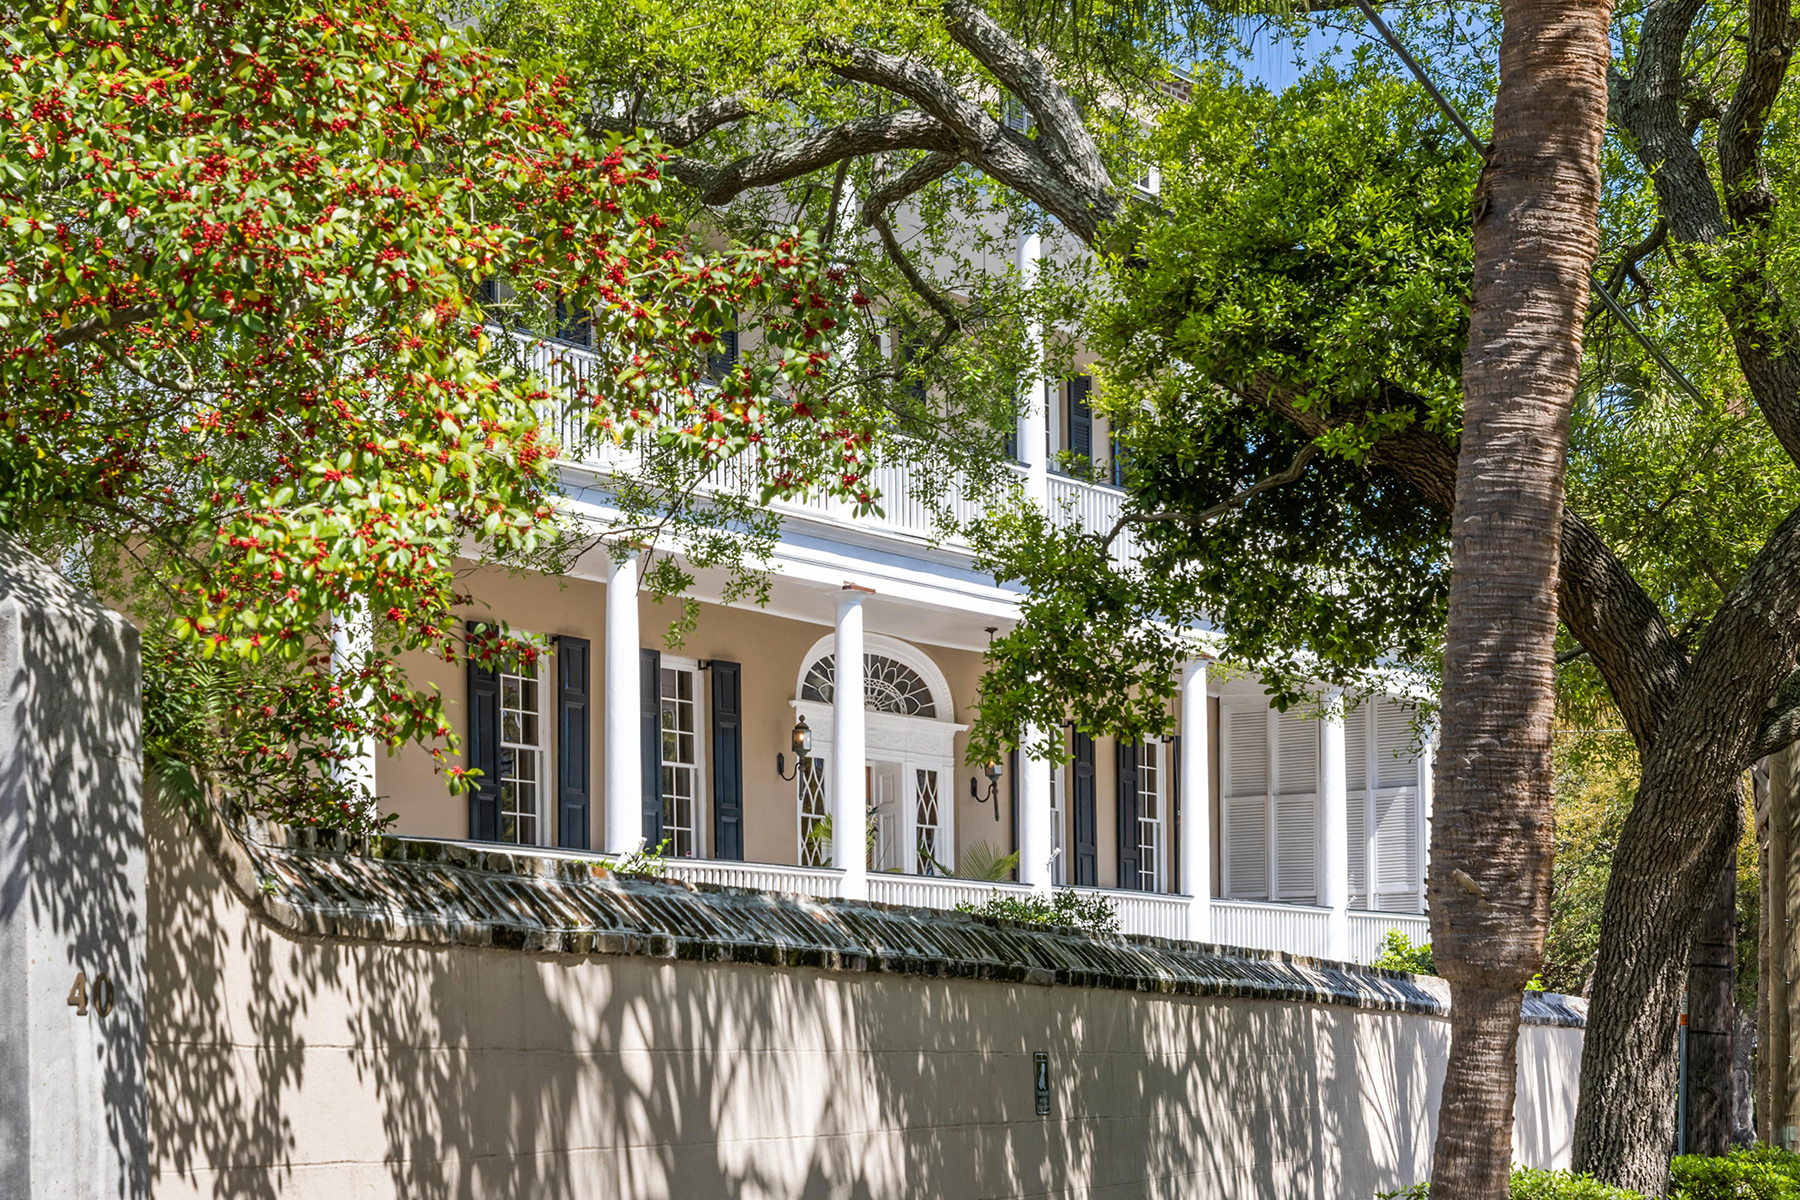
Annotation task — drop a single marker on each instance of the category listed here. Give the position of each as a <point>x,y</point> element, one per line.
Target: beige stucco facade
<point>314,1068</point>
<point>772,650</point>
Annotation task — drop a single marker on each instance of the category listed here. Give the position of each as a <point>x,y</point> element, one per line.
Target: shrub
<point>1537,1185</point>
<point>1399,954</point>
<point>1067,908</point>
<point>1762,1173</point>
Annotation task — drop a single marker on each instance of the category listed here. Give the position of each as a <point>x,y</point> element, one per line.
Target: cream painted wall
<point>308,1069</point>
<point>770,649</point>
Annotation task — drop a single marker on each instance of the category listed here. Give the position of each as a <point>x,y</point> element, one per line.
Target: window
<point>1146,176</point>
<point>1271,810</point>
<point>928,833</point>
<point>723,357</point>
<point>1383,808</point>
<point>889,686</point>
<point>680,761</point>
<point>1153,790</point>
<point>523,756</point>
<point>1015,116</point>
<point>1058,851</point>
<point>571,325</point>
<point>815,847</point>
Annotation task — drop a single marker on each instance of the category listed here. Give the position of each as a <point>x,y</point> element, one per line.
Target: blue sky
<point>1272,61</point>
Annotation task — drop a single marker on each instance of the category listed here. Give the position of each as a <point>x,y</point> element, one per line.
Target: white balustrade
<point>1288,928</point>
<point>1368,930</point>
<point>906,509</point>
<point>1148,913</point>
<point>768,877</point>
<point>1293,928</point>
<point>928,891</point>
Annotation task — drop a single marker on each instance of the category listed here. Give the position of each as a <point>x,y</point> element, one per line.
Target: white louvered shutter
<point>1356,807</point>
<point>1246,770</point>
<point>1296,808</point>
<point>1398,861</point>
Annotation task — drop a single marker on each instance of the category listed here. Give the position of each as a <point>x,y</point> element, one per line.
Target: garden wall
<point>427,1020</point>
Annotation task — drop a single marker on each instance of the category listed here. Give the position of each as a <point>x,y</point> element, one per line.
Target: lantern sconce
<point>991,769</point>
<point>802,752</point>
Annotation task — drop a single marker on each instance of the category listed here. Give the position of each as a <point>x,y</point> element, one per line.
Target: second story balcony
<point>909,510</point>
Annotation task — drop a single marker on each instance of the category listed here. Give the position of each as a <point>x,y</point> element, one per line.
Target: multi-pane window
<point>815,847</point>
<point>680,763</point>
<point>522,754</point>
<point>1152,822</point>
<point>1058,852</point>
<point>928,831</point>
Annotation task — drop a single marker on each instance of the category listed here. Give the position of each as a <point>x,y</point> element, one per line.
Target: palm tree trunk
<point>1536,233</point>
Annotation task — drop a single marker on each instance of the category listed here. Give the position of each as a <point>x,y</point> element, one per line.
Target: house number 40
<point>99,994</point>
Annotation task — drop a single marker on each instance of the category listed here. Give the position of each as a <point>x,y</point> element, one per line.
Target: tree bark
<point>1536,235</point>
<point>1712,1018</point>
<point>1767,985</point>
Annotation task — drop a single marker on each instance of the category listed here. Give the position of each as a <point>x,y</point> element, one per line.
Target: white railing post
<point>849,791</point>
<point>1035,836</point>
<point>1196,818</point>
<point>624,753</point>
<point>1033,436</point>
<point>1334,845</point>
<point>352,642</point>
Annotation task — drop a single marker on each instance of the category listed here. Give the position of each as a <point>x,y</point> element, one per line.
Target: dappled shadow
<point>302,1067</point>
<point>71,888</point>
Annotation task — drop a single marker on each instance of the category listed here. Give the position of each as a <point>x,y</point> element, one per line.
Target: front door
<point>887,817</point>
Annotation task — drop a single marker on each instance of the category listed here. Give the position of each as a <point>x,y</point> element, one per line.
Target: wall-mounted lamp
<point>802,752</point>
<point>991,769</point>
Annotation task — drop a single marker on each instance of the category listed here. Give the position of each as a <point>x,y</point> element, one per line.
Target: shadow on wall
<point>72,1105</point>
<point>289,1068</point>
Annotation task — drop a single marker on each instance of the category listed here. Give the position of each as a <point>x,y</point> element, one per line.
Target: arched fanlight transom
<point>889,686</point>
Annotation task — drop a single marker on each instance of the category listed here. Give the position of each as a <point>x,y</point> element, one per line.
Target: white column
<point>1196,816</point>
<point>352,643</point>
<point>1034,448</point>
<point>1334,846</point>
<point>849,790</point>
<point>1035,840</point>
<point>624,751</point>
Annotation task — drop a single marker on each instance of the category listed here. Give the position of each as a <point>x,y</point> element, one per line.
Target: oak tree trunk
<point>1536,233</point>
<point>1654,904</point>
<point>1712,1019</point>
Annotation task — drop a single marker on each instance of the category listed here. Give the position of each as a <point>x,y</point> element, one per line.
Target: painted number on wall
<point>99,994</point>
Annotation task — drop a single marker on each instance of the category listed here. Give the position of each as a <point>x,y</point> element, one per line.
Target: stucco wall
<point>287,1067</point>
<point>769,648</point>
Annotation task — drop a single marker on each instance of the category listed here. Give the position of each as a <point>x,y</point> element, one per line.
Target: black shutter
<point>484,748</point>
<point>650,723</point>
<point>574,787</point>
<point>1128,815</point>
<point>1173,767</point>
<point>1087,850</point>
<point>1012,794</point>
<point>1081,418</point>
<point>728,759</point>
<point>725,357</point>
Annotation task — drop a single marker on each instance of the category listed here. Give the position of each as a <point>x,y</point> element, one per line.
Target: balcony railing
<point>1294,928</point>
<point>1368,930</point>
<point>1289,928</point>
<point>909,508</point>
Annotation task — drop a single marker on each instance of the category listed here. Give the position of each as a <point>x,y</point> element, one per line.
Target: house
<point>732,752</point>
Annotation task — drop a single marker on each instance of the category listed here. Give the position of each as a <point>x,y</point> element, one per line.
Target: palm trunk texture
<point>1536,232</point>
